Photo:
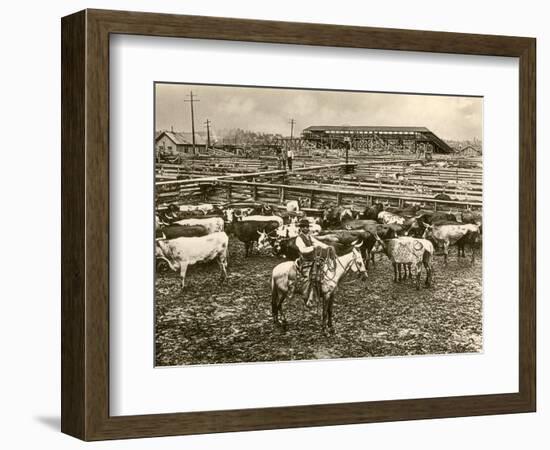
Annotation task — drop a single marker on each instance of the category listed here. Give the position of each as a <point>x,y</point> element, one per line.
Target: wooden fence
<point>323,183</point>
<point>227,191</point>
<point>195,189</point>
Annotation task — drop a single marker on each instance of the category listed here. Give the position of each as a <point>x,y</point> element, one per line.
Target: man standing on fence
<point>289,156</point>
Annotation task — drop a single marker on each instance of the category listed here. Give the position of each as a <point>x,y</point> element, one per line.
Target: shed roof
<point>182,138</point>
<point>363,128</point>
<point>472,149</point>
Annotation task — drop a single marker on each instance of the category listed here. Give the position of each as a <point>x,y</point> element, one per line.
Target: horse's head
<point>358,265</point>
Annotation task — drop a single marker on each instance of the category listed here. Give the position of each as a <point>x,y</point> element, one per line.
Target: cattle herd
<point>410,237</point>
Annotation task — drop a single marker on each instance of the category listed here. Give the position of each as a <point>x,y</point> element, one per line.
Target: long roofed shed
<point>419,134</point>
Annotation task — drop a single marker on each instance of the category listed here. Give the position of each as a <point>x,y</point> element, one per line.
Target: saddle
<point>310,270</point>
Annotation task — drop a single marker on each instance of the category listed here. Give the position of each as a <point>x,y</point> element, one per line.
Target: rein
<point>332,267</point>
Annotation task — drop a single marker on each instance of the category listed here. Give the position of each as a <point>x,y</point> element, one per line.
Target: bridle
<point>354,261</point>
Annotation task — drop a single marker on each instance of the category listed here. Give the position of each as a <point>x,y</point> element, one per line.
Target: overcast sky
<point>269,110</point>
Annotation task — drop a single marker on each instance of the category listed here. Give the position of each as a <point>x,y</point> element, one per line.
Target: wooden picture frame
<point>85,224</point>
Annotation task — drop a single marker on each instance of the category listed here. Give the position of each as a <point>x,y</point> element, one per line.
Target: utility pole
<point>290,146</point>
<point>207,123</point>
<point>191,100</point>
<point>291,122</point>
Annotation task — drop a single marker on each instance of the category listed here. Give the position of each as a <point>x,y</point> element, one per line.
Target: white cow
<point>390,218</point>
<point>182,252</point>
<point>447,234</point>
<point>236,213</point>
<point>314,228</point>
<point>293,206</point>
<point>284,232</point>
<point>259,218</point>
<point>287,231</point>
<point>212,224</point>
<point>314,222</point>
<point>203,208</point>
<point>292,230</point>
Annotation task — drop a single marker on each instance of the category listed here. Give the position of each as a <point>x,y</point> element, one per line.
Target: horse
<point>332,271</point>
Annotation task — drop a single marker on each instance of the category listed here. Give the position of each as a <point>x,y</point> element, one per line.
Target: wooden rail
<point>267,173</point>
<point>427,190</point>
<point>195,189</point>
<point>231,190</point>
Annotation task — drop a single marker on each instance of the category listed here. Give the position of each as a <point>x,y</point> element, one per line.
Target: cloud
<point>269,110</point>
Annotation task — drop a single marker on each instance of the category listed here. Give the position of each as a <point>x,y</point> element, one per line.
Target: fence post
<point>281,195</point>
<point>204,192</point>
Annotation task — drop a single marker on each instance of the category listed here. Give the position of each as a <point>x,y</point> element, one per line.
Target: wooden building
<point>470,152</point>
<point>175,143</point>
<point>371,138</point>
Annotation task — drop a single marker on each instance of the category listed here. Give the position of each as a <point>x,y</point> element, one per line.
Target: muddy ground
<point>211,322</point>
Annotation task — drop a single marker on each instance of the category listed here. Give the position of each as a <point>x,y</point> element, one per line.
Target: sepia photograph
<point>300,224</point>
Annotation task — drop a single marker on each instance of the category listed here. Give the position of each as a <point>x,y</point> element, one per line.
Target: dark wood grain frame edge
<point>527,224</point>
<point>85,225</point>
<point>73,268</point>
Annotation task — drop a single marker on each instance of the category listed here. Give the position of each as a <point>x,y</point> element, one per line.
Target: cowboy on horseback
<point>315,275</point>
<point>307,264</point>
